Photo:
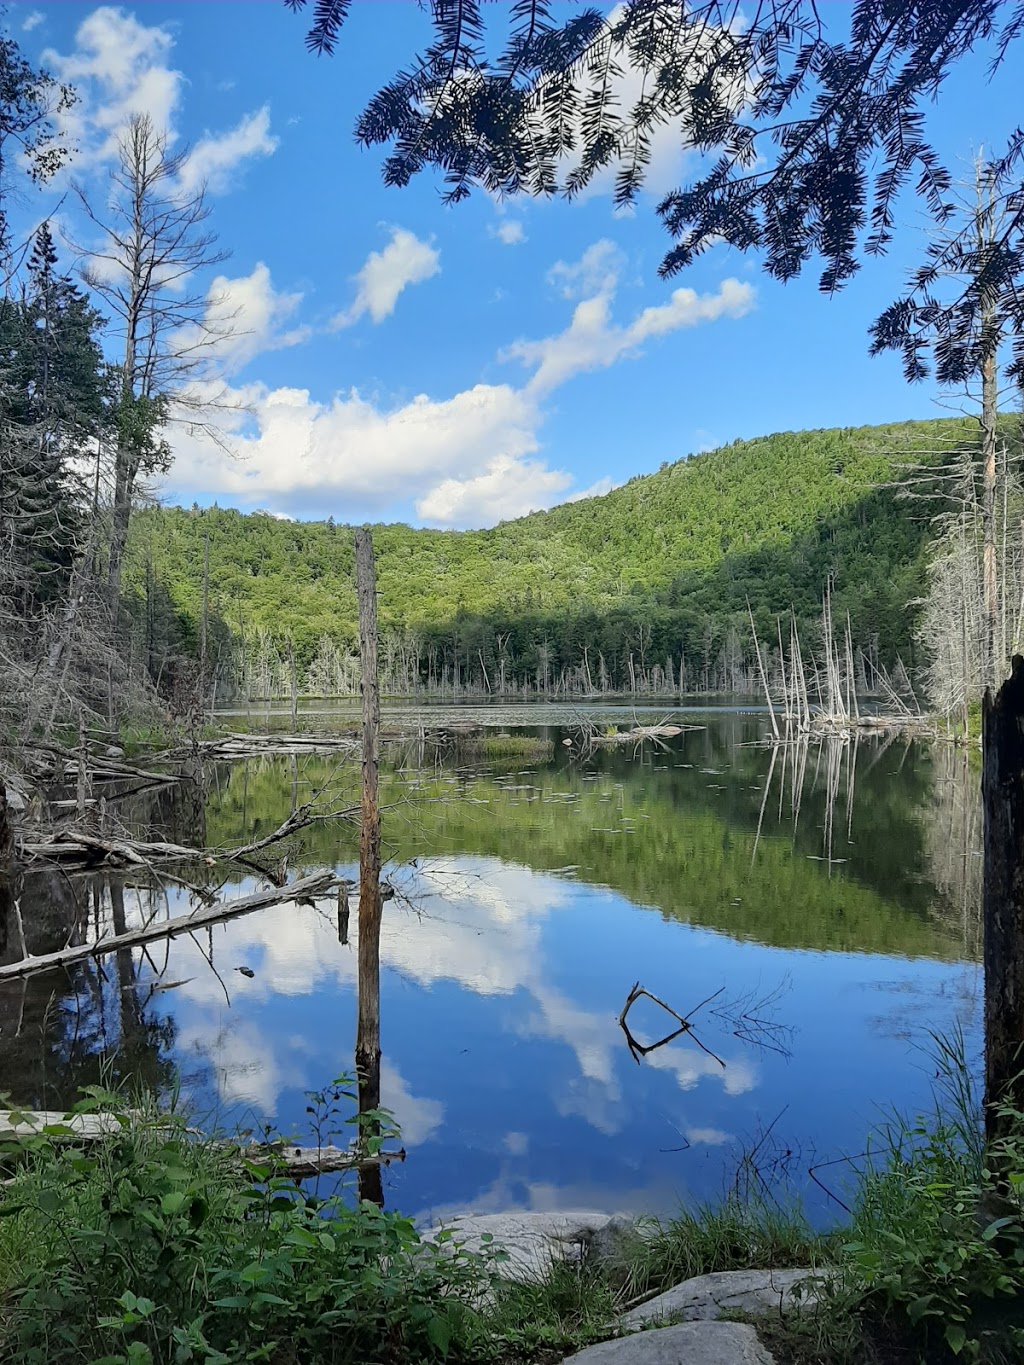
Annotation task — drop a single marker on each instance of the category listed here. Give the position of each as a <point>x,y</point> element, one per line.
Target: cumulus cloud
<point>295,453</point>
<point>32,20</point>
<point>245,317</point>
<point>593,341</point>
<point>404,261</point>
<point>596,490</point>
<point>468,460</point>
<point>509,232</point>
<point>629,85</point>
<point>120,67</point>
<point>507,488</point>
<point>215,157</point>
<point>596,272</point>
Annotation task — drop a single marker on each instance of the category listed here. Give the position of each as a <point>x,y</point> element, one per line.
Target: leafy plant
<point>153,1244</point>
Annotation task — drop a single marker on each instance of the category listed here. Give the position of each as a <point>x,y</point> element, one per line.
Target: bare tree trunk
<point>990,336</point>
<point>989,413</point>
<point>204,618</point>
<point>293,683</point>
<point>368,1026</point>
<point>1003,798</point>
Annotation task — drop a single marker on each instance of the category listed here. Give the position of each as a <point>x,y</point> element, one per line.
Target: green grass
<point>497,747</point>
<point>732,1235</point>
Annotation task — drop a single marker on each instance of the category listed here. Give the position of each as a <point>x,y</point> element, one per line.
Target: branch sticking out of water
<point>638,1049</point>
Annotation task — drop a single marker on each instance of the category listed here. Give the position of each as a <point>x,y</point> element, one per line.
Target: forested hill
<point>664,564</point>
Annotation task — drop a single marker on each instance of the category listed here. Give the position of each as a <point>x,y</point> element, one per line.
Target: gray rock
<point>16,799</point>
<point>728,1291</point>
<point>613,1246</point>
<point>113,751</point>
<point>533,1240</point>
<point>691,1343</point>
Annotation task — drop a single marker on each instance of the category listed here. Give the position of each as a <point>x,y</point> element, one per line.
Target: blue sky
<point>456,366</point>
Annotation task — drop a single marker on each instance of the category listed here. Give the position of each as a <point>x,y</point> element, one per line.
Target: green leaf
<point>439,1334</point>
<point>956,1337</point>
<point>920,1307</point>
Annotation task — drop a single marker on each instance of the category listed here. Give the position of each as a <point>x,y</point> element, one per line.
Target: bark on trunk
<point>1003,797</point>
<point>368,1025</point>
<point>990,406</point>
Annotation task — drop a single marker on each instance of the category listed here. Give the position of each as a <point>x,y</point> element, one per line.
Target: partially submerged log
<point>285,1158</point>
<point>237,745</point>
<point>305,889</point>
<point>641,732</point>
<point>301,1163</point>
<point>76,848</point>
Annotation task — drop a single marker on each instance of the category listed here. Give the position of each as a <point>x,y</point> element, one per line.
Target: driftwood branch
<point>638,1049</point>
<point>79,848</point>
<point>305,889</point>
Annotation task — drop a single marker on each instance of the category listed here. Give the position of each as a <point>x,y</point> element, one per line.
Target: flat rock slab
<point>691,1343</point>
<point>728,1291</point>
<point>533,1240</point>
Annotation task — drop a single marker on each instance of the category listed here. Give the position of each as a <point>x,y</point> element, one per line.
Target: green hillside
<point>664,564</point>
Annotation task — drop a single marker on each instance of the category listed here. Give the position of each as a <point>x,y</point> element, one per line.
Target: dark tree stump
<point>1003,797</point>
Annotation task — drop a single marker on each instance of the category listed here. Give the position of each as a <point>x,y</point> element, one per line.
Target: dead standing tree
<point>152,243</point>
<point>370,899</point>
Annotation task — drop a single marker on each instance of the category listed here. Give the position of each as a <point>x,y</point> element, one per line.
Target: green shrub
<point>938,1227</point>
<point>154,1245</point>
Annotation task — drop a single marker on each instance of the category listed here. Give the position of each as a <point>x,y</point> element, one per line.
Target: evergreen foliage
<point>808,163</point>
<point>52,389</point>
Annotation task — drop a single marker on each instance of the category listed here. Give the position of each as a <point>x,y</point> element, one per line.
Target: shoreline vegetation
<point>153,1242</point>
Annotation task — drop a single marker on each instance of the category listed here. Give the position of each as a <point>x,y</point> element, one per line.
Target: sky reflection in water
<point>503,1059</point>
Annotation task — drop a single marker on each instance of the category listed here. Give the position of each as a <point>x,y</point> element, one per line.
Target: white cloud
<point>507,488</point>
<point>592,341</point>
<point>630,81</point>
<point>509,232</point>
<point>248,317</point>
<point>405,260</point>
<point>295,452</point>
<point>596,272</point>
<point>469,460</point>
<point>32,20</point>
<point>417,1118</point>
<point>596,490</point>
<point>119,68</point>
<point>215,156</point>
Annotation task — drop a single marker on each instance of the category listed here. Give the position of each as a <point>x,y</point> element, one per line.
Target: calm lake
<point>827,899</point>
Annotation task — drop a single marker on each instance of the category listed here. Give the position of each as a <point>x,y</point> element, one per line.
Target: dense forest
<point>645,589</point>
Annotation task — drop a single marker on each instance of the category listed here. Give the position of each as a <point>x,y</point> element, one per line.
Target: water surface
<point>830,897</point>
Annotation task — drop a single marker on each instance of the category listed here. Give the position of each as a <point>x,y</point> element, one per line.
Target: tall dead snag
<point>150,249</point>
<point>370,902</point>
<point>1003,799</point>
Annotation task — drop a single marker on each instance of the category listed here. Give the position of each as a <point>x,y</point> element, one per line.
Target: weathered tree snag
<point>370,901</point>
<point>1003,799</point>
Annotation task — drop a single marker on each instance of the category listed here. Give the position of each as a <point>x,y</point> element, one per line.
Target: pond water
<point>830,898</point>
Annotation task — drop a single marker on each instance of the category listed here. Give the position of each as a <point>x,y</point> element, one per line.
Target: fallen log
<point>73,845</point>
<point>303,1162</point>
<point>305,889</point>
<point>285,1158</point>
